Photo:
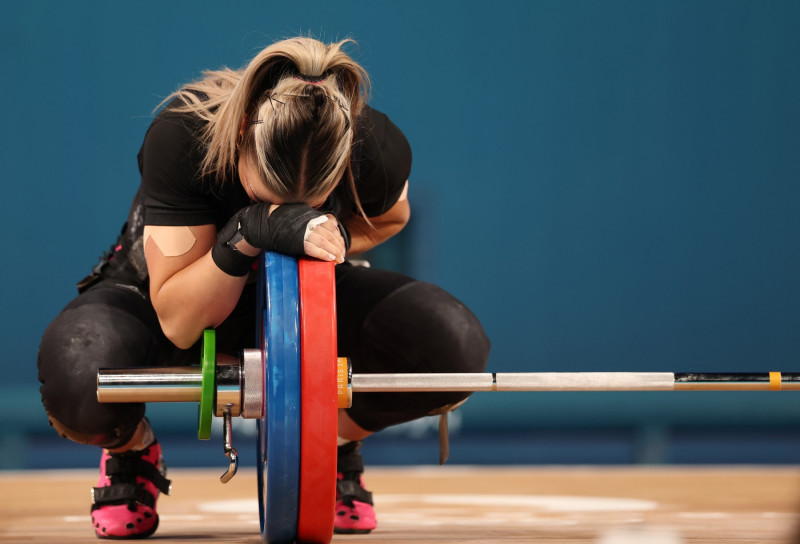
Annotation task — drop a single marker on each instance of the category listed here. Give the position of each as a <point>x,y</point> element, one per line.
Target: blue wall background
<point>608,185</point>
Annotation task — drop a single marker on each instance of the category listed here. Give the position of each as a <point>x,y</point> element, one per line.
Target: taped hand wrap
<point>283,231</point>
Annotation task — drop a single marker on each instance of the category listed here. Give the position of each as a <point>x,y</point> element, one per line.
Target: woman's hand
<point>323,240</point>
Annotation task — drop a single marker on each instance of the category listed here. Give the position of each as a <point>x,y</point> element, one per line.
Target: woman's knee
<point>428,329</point>
<point>82,339</point>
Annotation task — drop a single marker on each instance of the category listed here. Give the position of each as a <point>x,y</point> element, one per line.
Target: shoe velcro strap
<point>116,466</point>
<point>350,490</point>
<point>121,494</point>
<point>350,463</point>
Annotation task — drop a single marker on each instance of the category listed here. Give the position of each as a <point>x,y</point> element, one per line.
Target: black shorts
<point>387,322</point>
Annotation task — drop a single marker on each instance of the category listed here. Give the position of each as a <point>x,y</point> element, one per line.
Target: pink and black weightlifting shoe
<point>354,511</point>
<point>124,501</point>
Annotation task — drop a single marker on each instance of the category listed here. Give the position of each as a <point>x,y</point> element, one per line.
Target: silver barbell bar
<point>184,384</point>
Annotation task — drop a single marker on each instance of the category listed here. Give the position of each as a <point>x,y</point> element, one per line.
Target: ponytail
<point>292,111</point>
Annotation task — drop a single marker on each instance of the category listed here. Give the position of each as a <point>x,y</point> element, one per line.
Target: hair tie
<point>312,80</point>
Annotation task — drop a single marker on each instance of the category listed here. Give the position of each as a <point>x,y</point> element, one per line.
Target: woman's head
<point>288,116</point>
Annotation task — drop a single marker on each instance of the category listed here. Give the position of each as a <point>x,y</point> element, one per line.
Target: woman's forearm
<point>364,236</point>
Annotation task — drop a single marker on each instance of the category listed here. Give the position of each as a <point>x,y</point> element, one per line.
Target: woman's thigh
<point>390,323</point>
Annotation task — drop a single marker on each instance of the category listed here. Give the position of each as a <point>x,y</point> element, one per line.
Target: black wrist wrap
<point>224,253</point>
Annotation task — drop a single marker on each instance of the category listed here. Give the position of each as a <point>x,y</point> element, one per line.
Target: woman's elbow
<point>397,218</point>
<point>183,334</point>
<point>405,216</point>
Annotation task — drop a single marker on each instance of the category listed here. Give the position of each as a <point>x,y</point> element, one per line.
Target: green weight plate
<point>209,362</point>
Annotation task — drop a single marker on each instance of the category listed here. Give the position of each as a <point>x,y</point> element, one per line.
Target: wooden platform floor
<point>453,505</point>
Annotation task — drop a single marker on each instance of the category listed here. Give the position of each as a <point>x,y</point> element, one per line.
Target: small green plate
<point>206,409</point>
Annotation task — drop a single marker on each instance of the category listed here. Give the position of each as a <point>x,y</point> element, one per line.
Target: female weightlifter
<point>285,156</point>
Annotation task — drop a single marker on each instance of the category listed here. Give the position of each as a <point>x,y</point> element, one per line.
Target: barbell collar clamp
<point>252,383</point>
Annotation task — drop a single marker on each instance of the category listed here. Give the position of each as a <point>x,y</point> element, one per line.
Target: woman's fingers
<point>317,252</point>
<point>321,248</point>
<point>324,241</point>
<point>332,226</point>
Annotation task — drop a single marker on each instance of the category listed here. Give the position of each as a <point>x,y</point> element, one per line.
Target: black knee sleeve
<point>95,331</point>
<point>419,328</point>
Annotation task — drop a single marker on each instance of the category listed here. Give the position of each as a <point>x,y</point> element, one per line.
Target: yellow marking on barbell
<point>774,381</point>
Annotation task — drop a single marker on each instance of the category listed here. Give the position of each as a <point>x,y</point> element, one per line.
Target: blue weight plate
<point>261,425</point>
<point>280,444</point>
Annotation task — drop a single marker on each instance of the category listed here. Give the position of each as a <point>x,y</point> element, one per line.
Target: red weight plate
<point>319,402</point>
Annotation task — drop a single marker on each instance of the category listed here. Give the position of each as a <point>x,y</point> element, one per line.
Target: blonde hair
<point>292,112</point>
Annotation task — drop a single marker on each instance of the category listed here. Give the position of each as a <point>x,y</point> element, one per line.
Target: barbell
<point>294,383</point>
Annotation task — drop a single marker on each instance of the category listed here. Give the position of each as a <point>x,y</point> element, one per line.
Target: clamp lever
<point>230,451</point>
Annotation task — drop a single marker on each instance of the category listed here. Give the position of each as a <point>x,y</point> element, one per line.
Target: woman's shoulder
<point>169,120</point>
<point>172,186</point>
<point>381,161</point>
<point>384,149</point>
<point>376,127</point>
<point>172,135</point>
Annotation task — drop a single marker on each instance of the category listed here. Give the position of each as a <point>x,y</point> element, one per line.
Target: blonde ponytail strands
<point>243,112</point>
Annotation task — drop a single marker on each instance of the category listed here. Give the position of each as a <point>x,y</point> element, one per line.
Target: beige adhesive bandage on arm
<point>172,241</point>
